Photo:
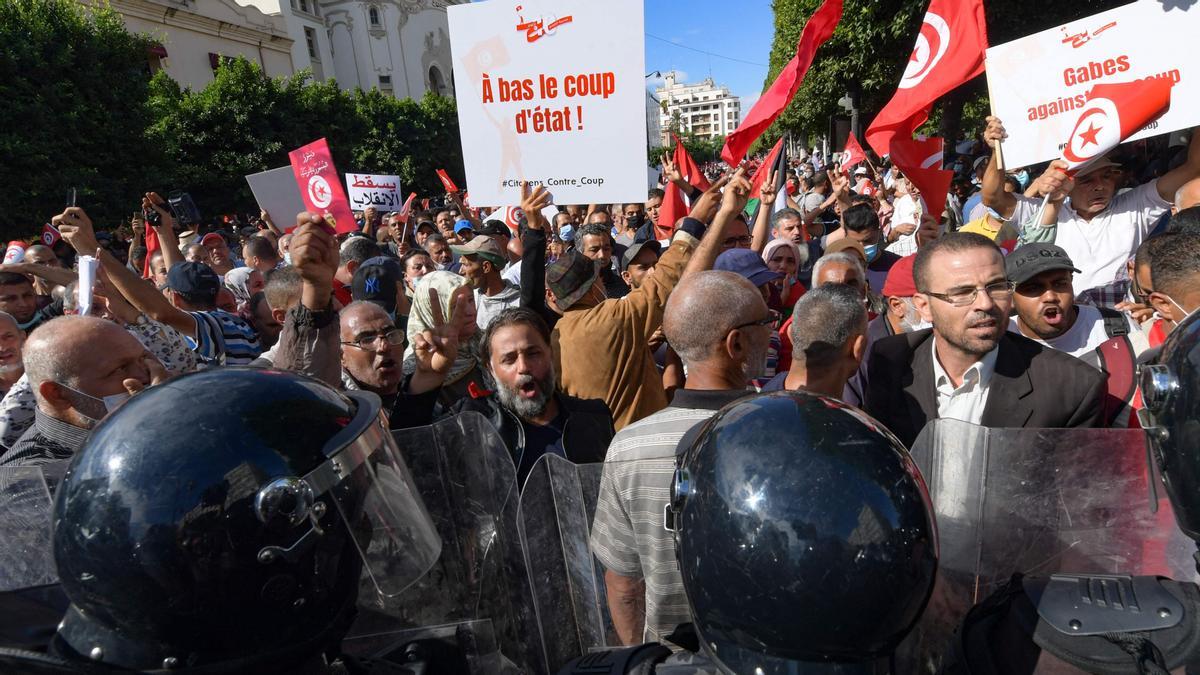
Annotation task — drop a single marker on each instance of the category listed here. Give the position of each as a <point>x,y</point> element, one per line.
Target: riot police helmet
<point>805,536</point>
<point>1170,388</point>
<point>224,521</point>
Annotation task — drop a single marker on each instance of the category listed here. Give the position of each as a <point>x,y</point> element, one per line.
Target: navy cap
<point>1030,260</point>
<point>748,264</point>
<point>194,281</point>
<point>375,281</point>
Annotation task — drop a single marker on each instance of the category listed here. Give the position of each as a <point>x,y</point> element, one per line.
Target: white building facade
<point>704,109</point>
<point>193,35</point>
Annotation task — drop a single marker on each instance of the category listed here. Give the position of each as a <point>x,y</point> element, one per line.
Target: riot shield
<point>27,555</point>
<point>476,600</point>
<point>558,503</point>
<point>1037,502</point>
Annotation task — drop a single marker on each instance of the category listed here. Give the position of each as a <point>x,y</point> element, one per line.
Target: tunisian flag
<point>853,153</point>
<point>948,52</point>
<point>1112,113</point>
<point>816,32</point>
<point>150,235</point>
<point>921,162</point>
<point>674,205</point>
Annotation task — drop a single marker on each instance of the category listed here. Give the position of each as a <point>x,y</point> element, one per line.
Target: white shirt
<point>1085,335</point>
<point>967,401</point>
<point>1101,247</point>
<point>905,210</point>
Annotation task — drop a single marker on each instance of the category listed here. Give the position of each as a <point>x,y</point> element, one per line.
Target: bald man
<point>721,327</point>
<point>12,339</point>
<point>80,368</point>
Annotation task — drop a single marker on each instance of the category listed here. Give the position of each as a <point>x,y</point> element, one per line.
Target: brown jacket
<point>603,349</point>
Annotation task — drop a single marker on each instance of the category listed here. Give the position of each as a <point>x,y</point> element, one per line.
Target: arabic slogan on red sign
<point>320,187</point>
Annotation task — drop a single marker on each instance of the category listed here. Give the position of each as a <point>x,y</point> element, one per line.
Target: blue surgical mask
<point>872,251</point>
<point>1023,178</point>
<point>995,214</point>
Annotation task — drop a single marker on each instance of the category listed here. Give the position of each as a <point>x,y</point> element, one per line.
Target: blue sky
<point>741,30</point>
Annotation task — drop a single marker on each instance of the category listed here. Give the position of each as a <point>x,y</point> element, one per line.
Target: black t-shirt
<point>540,440</point>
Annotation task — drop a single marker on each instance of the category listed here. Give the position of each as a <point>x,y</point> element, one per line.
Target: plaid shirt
<point>1109,295</point>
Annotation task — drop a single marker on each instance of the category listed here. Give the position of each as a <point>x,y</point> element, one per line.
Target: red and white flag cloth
<point>948,52</point>
<point>406,208</point>
<point>817,31</point>
<point>446,182</point>
<point>675,204</point>
<point>853,153</point>
<point>150,236</point>
<point>50,235</point>
<point>921,162</point>
<point>1113,113</point>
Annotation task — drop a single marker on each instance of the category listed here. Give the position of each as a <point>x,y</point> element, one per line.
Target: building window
<point>385,82</point>
<point>310,37</point>
<point>373,16</point>
<point>303,5</point>
<point>436,83</point>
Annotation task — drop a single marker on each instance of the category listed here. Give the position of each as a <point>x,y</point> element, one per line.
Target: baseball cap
<point>847,244</point>
<point>900,282</point>
<point>212,236</point>
<point>463,224</point>
<point>494,228</point>
<point>571,277</point>
<point>483,246</point>
<point>426,223</point>
<point>633,251</point>
<point>1030,260</point>
<point>194,281</point>
<point>746,263</point>
<point>1102,163</point>
<point>980,161</point>
<point>860,171</point>
<point>375,281</point>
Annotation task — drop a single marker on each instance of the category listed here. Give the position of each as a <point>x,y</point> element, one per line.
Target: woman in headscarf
<point>784,257</point>
<point>244,282</point>
<point>466,375</point>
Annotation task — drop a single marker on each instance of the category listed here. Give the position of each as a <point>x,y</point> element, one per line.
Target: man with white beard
<point>12,338</point>
<point>533,417</point>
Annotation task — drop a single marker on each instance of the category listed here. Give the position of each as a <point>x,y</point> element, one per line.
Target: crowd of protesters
<point>597,336</point>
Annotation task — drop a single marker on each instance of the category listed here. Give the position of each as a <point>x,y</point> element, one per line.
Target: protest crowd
<point>605,333</point>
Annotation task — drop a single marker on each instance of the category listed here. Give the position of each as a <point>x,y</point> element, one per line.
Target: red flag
<point>406,208</point>
<point>150,235</point>
<point>321,185</point>
<point>921,162</point>
<point>50,235</point>
<point>512,218</point>
<point>816,32</point>
<point>1113,113</point>
<point>853,153</point>
<point>923,153</point>
<point>760,176</point>
<point>446,182</point>
<point>949,51</point>
<point>674,205</point>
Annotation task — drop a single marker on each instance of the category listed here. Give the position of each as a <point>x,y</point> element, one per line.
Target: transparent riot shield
<point>27,555</point>
<point>558,503</point>
<point>475,603</point>
<point>1037,502</point>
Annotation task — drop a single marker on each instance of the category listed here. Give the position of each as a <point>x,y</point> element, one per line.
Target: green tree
<point>75,88</point>
<point>870,48</point>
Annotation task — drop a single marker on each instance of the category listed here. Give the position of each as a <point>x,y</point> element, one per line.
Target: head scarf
<point>237,280</point>
<point>420,319</point>
<point>775,245</point>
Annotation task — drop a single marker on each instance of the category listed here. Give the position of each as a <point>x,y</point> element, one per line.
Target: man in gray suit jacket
<point>968,367</point>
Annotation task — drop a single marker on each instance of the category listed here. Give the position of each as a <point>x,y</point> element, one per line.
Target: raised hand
<point>1055,182</point>
<point>315,252</point>
<point>669,170</point>
<point>768,192</point>
<point>707,203</point>
<point>151,200</point>
<point>994,131</point>
<point>76,228</point>
<point>737,192</point>
<point>436,348</point>
<point>533,200</point>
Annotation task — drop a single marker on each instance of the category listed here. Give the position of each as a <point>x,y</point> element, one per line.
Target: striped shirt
<point>224,339</point>
<point>628,535</point>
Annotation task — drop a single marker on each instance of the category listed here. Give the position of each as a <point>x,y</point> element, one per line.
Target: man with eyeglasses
<point>969,366</point>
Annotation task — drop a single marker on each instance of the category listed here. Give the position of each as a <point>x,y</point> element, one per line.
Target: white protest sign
<point>1039,83</point>
<point>382,192</point>
<point>87,280</point>
<point>277,194</point>
<point>553,92</point>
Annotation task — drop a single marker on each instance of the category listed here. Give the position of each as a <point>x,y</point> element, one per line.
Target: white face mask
<point>1186,313</point>
<point>287,258</point>
<point>94,408</point>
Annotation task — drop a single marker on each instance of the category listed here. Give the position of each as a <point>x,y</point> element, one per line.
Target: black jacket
<point>1032,386</point>
<point>586,433</point>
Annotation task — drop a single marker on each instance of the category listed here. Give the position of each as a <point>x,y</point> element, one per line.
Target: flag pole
<point>997,145</point>
<point>1037,220</point>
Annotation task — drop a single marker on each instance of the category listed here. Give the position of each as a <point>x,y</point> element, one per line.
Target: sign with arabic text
<point>382,192</point>
<point>551,92</point>
<point>320,187</point>
<point>1039,84</point>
